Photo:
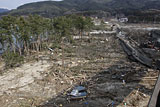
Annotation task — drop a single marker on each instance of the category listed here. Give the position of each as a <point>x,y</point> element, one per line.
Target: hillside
<point>54,8</point>
<point>3,10</point>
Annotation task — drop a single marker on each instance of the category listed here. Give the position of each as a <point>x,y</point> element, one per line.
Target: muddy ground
<point>97,63</point>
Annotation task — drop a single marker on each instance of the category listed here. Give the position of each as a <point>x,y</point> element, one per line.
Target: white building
<point>123,20</point>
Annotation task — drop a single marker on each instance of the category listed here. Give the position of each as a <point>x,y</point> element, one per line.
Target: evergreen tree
<point>7,25</point>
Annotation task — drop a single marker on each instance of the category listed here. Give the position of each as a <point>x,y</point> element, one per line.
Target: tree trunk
<point>63,54</point>
<point>81,34</point>
<point>20,51</point>
<point>14,48</point>
<point>25,47</point>
<point>37,47</point>
<point>28,50</point>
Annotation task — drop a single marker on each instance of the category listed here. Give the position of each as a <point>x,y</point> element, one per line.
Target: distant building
<point>96,21</point>
<point>123,20</point>
<point>106,22</point>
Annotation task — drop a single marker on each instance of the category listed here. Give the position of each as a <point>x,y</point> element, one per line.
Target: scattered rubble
<point>78,92</point>
<point>111,78</point>
<point>97,67</point>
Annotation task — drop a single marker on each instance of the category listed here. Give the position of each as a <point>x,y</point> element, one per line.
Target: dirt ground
<point>97,63</point>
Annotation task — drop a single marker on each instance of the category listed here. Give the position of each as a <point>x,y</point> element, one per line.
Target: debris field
<point>97,63</point>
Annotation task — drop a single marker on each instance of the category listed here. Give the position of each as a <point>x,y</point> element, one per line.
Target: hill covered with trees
<point>54,8</point>
<point>3,10</point>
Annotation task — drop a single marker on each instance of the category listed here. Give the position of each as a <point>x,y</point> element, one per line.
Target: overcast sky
<point>13,4</point>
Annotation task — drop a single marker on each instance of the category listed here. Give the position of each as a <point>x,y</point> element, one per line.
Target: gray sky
<point>13,4</point>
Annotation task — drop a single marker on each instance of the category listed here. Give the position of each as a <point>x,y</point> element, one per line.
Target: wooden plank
<point>153,100</point>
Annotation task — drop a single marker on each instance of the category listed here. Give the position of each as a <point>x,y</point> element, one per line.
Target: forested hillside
<point>3,10</point>
<point>54,8</point>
